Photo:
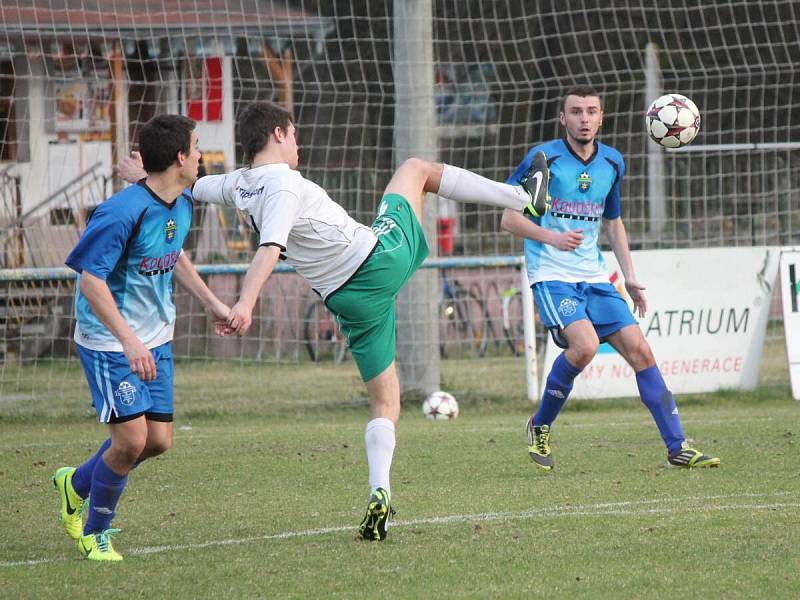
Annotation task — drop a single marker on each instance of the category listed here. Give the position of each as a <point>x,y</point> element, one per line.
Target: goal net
<point>79,77</point>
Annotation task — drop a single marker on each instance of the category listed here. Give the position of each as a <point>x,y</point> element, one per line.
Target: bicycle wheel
<point>462,329</point>
<point>447,327</point>
<point>513,323</point>
<point>321,334</point>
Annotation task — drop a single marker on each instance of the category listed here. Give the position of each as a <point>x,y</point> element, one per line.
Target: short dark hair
<point>583,91</point>
<point>257,122</point>
<point>160,140</point>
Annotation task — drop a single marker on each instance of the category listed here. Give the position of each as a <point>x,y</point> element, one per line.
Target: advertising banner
<point>706,319</point>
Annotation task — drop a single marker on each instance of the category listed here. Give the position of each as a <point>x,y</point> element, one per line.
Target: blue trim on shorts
<point>118,394</point>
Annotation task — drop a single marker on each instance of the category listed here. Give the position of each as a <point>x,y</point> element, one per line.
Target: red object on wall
<point>445,232</point>
<point>207,106</point>
<point>214,89</point>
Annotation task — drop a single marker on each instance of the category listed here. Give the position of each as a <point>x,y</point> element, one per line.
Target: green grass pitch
<point>261,494</point>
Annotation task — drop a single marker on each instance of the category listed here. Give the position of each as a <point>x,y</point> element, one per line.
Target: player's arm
<point>515,223</point>
<point>264,261</point>
<point>189,278</point>
<point>216,189</point>
<point>618,238</point>
<point>98,294</point>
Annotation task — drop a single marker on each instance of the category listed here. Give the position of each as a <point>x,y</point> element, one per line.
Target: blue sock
<point>659,401</point>
<point>107,487</point>
<point>556,391</point>
<point>82,478</point>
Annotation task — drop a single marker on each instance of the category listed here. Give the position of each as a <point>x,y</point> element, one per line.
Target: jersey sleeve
<point>613,208</point>
<point>523,167</point>
<point>274,216</point>
<point>104,240</point>
<point>217,189</point>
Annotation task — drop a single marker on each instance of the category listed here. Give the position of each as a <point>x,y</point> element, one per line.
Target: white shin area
<point>379,439</point>
<point>465,186</point>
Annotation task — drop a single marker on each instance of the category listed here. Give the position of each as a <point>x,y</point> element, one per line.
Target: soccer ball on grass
<point>672,120</point>
<point>440,406</point>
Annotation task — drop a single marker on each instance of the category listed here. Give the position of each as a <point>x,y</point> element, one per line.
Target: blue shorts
<point>119,395</point>
<point>561,303</point>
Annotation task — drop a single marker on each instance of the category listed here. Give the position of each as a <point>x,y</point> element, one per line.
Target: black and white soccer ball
<point>440,406</point>
<point>672,120</point>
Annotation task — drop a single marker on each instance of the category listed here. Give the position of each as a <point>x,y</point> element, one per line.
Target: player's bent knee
<point>642,356</point>
<point>583,352</point>
<point>128,451</point>
<point>159,446</point>
<point>418,165</point>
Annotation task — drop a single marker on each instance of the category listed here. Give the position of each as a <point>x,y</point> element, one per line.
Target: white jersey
<point>316,236</point>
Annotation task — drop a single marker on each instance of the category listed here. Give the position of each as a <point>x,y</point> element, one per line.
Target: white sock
<point>379,440</point>
<point>465,186</point>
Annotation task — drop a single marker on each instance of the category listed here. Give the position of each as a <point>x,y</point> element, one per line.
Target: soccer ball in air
<point>672,120</point>
<point>440,406</point>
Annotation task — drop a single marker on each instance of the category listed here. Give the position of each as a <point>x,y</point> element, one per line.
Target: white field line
<point>626,508</point>
<point>201,433</point>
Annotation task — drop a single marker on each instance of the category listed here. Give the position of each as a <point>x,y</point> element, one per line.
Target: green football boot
<point>72,505</point>
<point>689,458</point>
<point>376,522</point>
<point>97,546</point>
<point>539,445</point>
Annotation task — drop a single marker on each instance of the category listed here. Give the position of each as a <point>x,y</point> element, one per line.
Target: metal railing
<point>39,236</point>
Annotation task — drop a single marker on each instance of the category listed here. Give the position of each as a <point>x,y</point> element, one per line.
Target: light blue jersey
<point>132,241</point>
<point>582,192</point>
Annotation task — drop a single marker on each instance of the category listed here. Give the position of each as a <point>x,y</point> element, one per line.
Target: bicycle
<point>513,324</point>
<point>463,320</point>
<point>321,335</point>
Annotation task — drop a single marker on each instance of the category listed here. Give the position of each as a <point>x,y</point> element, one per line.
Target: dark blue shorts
<point>562,303</point>
<point>119,395</point>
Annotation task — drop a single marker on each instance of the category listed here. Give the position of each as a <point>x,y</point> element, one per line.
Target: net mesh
<point>79,77</point>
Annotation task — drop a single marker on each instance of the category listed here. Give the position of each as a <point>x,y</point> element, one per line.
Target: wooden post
<point>281,71</point>
<point>119,146</point>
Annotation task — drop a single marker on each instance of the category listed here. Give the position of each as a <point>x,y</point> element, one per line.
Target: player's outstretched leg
<point>72,505</point>
<point>97,546</point>
<point>416,176</point>
<point>536,182</point>
<point>539,445</point>
<point>375,524</point>
<point>689,458</point>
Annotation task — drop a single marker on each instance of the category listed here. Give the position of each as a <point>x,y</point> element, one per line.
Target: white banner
<point>790,286</point>
<point>706,321</point>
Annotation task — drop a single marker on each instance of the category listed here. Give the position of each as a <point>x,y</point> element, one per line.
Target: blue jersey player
<point>126,259</point>
<point>571,286</point>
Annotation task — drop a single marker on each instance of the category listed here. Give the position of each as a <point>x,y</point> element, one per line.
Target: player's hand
<point>569,240</point>
<point>240,318</point>
<point>140,359</point>
<point>220,313</point>
<point>131,169</point>
<point>222,329</point>
<point>636,292</point>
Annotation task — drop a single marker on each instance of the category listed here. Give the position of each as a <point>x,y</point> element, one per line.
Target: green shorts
<point>365,306</point>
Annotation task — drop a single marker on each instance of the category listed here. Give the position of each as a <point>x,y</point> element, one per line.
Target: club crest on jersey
<point>584,182</point>
<point>169,230</point>
<point>126,393</point>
